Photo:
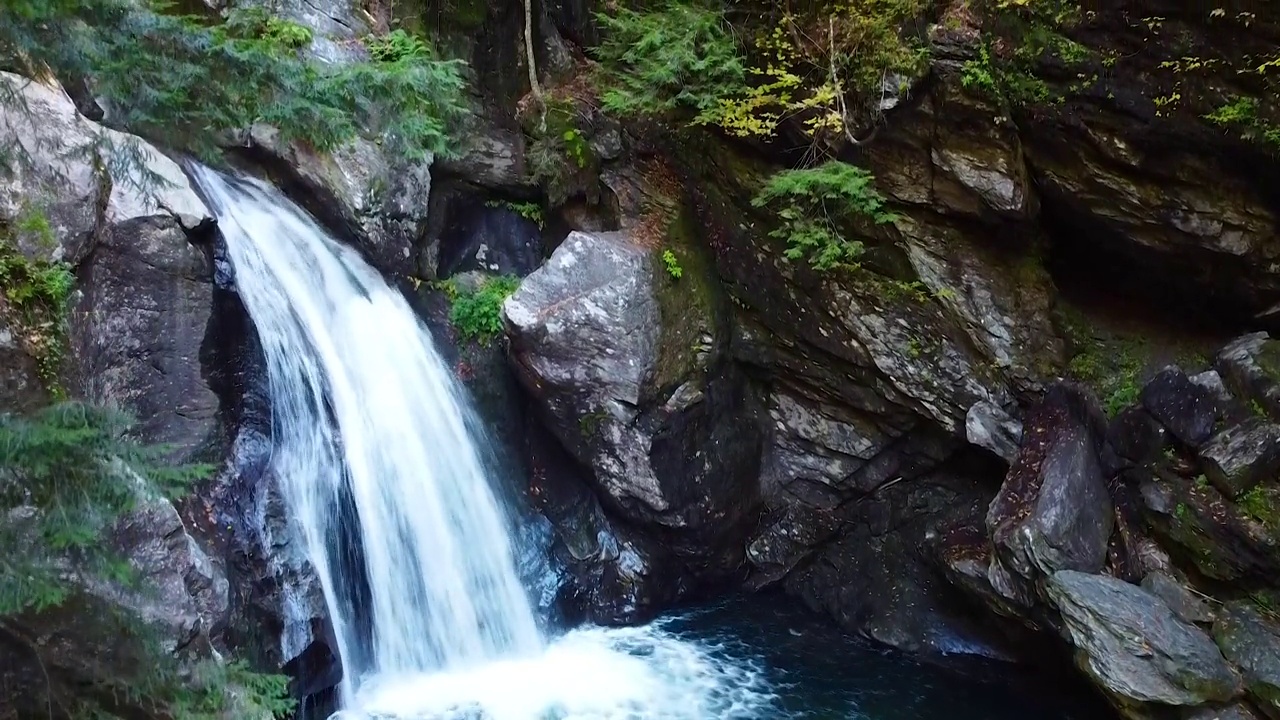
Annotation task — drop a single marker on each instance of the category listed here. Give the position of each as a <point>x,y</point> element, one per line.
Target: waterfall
<point>388,490</point>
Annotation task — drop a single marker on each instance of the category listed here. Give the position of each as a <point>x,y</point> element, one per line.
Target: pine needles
<point>183,81</point>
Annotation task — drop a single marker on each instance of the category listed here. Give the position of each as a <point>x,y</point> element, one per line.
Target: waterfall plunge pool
<point>754,658</point>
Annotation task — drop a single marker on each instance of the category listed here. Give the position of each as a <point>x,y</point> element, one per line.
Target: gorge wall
<point>1039,418</point>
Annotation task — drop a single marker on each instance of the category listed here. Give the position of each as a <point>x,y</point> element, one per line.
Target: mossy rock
<point>690,305</point>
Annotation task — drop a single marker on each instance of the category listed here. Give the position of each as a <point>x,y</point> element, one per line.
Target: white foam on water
<point>641,673</point>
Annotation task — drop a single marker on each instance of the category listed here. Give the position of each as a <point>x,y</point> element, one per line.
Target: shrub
<point>824,64</point>
<point>681,57</point>
<point>477,315</point>
<point>37,292</point>
<point>73,466</point>
<point>813,202</point>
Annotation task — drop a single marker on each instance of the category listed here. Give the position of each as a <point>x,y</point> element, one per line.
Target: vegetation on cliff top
<point>184,80</point>
<point>826,66</point>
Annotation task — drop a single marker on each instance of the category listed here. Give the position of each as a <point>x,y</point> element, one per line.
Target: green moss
<point>37,294</point>
<point>1268,359</point>
<point>687,306</point>
<point>1116,363</point>
<point>590,423</point>
<point>1114,370</point>
<point>1260,504</point>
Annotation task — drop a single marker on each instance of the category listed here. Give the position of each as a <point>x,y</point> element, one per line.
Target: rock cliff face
<point>1009,432</point>
<point>149,330</point>
<point>920,450</point>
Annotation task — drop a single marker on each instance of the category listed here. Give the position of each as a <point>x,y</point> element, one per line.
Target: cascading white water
<point>390,495</point>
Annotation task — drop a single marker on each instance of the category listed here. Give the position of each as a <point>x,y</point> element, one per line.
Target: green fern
<point>813,202</point>
<point>72,466</point>
<point>679,57</point>
<point>477,315</point>
<point>181,80</point>
<point>67,474</point>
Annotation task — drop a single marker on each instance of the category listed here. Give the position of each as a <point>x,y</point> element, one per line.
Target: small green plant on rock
<point>528,210</point>
<point>36,293</point>
<point>558,153</point>
<point>1242,115</point>
<point>1261,505</point>
<point>811,204</point>
<point>672,264</point>
<point>477,314</point>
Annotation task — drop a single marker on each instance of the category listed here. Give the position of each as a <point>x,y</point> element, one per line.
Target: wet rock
<point>1187,409</point>
<point>495,239</point>
<point>1189,607</point>
<point>900,598</point>
<point>1133,646</point>
<point>1241,456</point>
<point>1053,511</point>
<point>1252,642</point>
<point>790,535</point>
<point>819,460</point>
<point>1199,525</point>
<point>1238,711</point>
<point>990,427</point>
<point>611,350</point>
<point>1134,438</point>
<point>356,190</point>
<point>137,329</point>
<point>1250,368</point>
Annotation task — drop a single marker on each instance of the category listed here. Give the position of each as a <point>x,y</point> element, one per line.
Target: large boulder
<point>124,216</point>
<point>1130,643</point>
<point>622,361</point>
<point>1054,511</point>
<point>1250,369</point>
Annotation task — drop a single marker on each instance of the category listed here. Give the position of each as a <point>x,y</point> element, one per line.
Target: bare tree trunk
<point>534,86</point>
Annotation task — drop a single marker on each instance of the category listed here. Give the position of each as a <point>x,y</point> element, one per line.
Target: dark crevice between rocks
<point>1196,294</point>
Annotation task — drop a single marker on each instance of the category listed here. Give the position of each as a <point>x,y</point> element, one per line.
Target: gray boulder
<point>1053,511</point>
<point>622,361</point>
<point>1240,456</point>
<point>72,171</point>
<point>1189,410</point>
<point>143,295</point>
<point>988,426</point>
<point>1250,369</point>
<point>1130,643</point>
<point>1252,642</point>
<point>357,190</point>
